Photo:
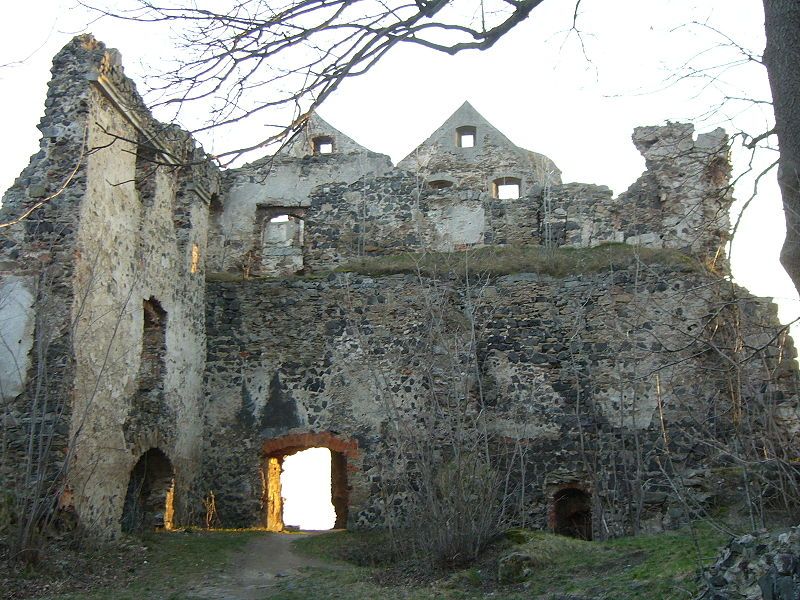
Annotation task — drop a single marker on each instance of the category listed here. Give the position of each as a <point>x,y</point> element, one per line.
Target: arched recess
<point>571,513</point>
<point>149,499</point>
<point>274,452</point>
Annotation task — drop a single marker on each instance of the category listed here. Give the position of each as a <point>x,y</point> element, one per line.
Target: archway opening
<point>572,513</point>
<point>149,499</point>
<point>306,487</point>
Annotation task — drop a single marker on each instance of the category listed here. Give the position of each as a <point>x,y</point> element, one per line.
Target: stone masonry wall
<point>281,184</point>
<point>681,202</point>
<point>580,369</point>
<point>129,227</point>
<point>36,266</point>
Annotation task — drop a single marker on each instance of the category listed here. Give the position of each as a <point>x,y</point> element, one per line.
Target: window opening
<point>323,145</point>
<point>195,258</point>
<point>282,245</point>
<point>154,345</point>
<point>440,184</point>
<point>466,136</point>
<point>507,188</point>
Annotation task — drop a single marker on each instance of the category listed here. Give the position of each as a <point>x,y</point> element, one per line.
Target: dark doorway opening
<point>571,513</point>
<point>149,499</point>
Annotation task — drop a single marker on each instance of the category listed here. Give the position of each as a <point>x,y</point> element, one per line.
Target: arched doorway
<point>277,450</point>
<point>571,513</point>
<point>148,501</point>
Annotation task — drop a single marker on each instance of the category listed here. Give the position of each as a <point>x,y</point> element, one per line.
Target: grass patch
<point>498,261</point>
<point>367,548</point>
<point>662,566</point>
<point>167,563</point>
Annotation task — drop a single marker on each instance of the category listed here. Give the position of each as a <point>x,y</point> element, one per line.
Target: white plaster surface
<point>16,333</point>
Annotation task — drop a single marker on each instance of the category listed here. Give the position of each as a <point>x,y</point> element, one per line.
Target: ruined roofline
<point>109,78</point>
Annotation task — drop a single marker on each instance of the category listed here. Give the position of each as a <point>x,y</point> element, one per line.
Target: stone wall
<point>36,259</point>
<point>352,203</point>
<point>680,202</point>
<point>281,184</point>
<point>129,228</point>
<point>582,370</point>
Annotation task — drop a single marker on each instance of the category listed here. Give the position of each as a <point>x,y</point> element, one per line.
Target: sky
<point>574,100</point>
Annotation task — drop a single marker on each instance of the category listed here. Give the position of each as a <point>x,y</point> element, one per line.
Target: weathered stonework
<point>142,327</point>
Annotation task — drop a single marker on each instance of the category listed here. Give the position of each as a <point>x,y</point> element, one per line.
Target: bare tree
<point>251,57</point>
<point>782,26</point>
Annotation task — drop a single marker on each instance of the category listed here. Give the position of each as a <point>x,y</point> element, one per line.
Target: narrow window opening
<point>571,513</point>
<point>507,188</point>
<point>466,136</point>
<point>154,329</point>
<point>195,267</point>
<point>323,145</point>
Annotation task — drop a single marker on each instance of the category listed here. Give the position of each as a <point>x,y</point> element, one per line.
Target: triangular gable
<point>317,132</point>
<point>447,140</point>
<point>465,116</point>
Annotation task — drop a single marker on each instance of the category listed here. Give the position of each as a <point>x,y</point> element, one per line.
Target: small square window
<point>323,145</point>
<point>465,136</point>
<point>507,188</point>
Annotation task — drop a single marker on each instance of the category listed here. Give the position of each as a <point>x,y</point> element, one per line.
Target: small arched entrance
<point>571,513</point>
<point>148,501</point>
<point>278,449</point>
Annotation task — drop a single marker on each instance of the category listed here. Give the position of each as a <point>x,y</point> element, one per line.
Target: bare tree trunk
<point>782,57</point>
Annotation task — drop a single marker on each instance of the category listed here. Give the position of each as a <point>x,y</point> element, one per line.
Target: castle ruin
<point>174,330</point>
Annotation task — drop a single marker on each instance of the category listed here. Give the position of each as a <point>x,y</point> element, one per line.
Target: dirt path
<point>252,572</point>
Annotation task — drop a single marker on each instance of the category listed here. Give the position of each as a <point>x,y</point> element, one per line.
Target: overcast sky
<point>536,86</point>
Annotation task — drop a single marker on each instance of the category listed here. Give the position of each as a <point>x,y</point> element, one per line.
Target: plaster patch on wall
<point>16,333</point>
<point>458,225</point>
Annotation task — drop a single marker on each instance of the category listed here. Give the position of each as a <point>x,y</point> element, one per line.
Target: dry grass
<point>498,261</point>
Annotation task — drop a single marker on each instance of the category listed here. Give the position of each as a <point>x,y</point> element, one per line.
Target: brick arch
<point>289,444</point>
<point>276,449</point>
